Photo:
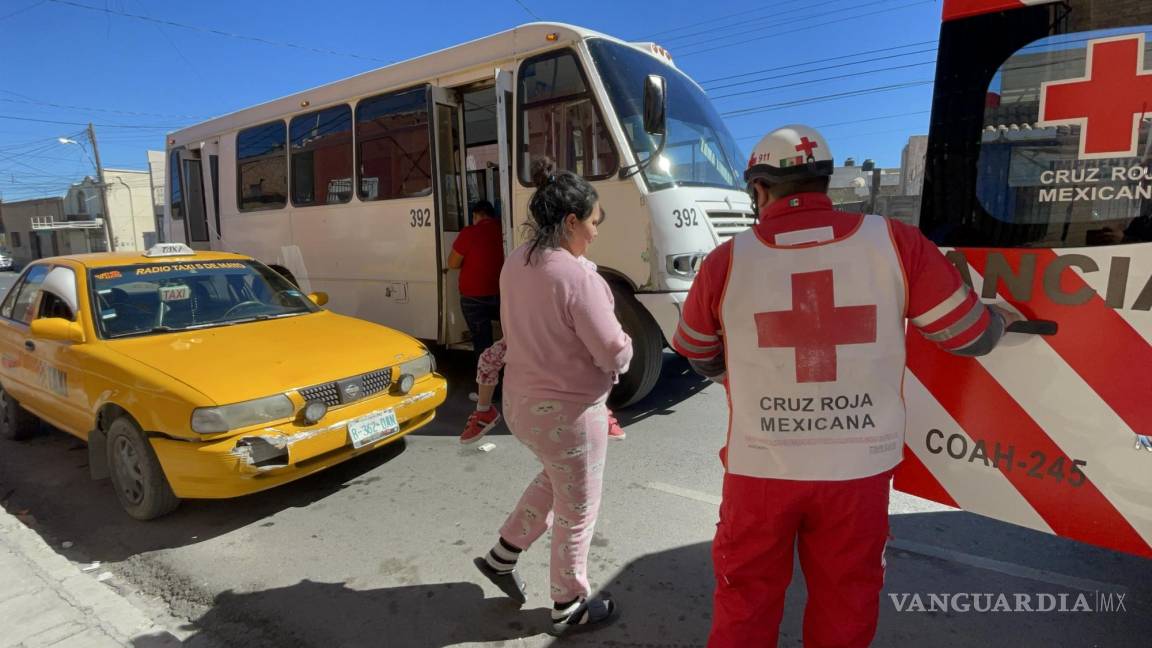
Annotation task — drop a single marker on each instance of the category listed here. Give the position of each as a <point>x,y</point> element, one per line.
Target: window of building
<point>81,203</point>
<point>321,157</point>
<point>393,147</point>
<point>15,237</point>
<point>560,120</point>
<point>262,167</point>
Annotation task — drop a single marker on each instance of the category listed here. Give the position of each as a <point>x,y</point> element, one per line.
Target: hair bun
<point>543,171</point>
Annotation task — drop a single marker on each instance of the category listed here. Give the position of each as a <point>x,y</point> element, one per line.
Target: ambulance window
<point>21,309</point>
<point>1059,165</point>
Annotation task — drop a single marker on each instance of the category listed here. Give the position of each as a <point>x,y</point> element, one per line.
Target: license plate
<point>373,427</point>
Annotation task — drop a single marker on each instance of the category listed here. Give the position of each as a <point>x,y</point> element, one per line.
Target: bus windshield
<point>700,150</point>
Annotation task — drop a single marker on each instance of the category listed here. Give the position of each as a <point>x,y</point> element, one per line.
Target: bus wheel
<point>137,476</point>
<point>286,273</point>
<point>647,351</point>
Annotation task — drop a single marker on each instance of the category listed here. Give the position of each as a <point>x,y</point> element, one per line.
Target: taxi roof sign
<point>169,249</point>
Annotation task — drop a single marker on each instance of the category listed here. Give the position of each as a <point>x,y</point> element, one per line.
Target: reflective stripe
<point>943,308</point>
<point>966,322</point>
<point>697,335</point>
<point>681,343</point>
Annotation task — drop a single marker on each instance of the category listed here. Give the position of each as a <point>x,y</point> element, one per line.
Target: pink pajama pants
<point>570,440</point>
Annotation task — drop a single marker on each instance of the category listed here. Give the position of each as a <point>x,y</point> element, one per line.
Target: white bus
<point>359,187</point>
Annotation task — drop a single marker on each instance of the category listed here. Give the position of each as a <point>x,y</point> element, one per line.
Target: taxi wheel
<point>16,423</point>
<point>136,474</point>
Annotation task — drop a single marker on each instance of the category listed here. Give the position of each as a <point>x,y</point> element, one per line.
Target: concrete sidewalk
<point>45,600</point>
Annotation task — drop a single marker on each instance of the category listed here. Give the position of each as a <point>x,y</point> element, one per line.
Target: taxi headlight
<point>418,368</point>
<point>213,420</point>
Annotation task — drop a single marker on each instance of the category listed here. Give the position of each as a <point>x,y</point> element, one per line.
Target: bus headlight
<point>214,420</point>
<point>684,265</point>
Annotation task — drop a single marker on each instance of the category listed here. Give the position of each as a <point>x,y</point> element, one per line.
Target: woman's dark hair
<point>558,193</point>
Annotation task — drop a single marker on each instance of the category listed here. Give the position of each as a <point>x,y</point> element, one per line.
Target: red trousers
<point>842,527</point>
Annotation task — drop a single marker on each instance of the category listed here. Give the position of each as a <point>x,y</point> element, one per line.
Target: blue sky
<point>135,78</point>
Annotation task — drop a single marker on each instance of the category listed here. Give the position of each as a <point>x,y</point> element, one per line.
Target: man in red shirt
<point>479,254</point>
<point>802,318</point>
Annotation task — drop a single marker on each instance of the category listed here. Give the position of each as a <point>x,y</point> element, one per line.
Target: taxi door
<point>18,374</point>
<point>1052,430</point>
<point>60,366</point>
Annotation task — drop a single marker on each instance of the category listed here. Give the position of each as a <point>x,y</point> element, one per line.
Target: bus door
<point>196,225</point>
<point>504,111</point>
<point>1039,188</point>
<point>451,204</point>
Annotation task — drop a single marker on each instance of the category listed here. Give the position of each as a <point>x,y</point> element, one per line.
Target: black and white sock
<point>563,611</point>
<point>503,557</point>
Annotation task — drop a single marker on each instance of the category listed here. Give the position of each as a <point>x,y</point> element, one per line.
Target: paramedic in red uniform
<point>802,318</point>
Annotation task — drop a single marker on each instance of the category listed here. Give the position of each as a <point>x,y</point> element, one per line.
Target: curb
<point>99,608</point>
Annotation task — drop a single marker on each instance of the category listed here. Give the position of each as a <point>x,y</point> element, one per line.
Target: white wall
<point>130,206</point>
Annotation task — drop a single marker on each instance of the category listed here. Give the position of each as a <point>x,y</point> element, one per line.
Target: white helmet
<point>793,152</point>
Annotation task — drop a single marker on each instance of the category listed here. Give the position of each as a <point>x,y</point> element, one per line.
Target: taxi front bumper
<point>264,457</point>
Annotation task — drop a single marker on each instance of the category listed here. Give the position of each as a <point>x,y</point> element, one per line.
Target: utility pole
<point>103,189</point>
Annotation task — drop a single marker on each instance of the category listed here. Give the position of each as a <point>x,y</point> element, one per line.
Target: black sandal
<point>592,614</point>
<point>509,582</point>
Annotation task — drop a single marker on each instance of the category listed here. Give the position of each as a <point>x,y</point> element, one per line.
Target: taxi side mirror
<point>318,298</point>
<point>57,329</point>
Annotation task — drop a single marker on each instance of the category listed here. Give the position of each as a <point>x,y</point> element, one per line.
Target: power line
<point>831,97</point>
<point>68,123</point>
<point>850,55</point>
<point>800,29</point>
<point>778,23</point>
<point>93,109</point>
<point>209,30</point>
<point>822,79</point>
<point>775,16</point>
<point>20,11</point>
<point>713,20</point>
<point>849,123</point>
<point>527,10</point>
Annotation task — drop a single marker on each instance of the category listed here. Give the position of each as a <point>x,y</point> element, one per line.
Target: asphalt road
<point>378,551</point>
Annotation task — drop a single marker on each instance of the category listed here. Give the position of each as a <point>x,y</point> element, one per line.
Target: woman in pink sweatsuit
<point>565,349</point>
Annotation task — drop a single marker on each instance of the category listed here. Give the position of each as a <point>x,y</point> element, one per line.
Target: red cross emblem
<point>806,146</point>
<point>816,326</point>
<point>1109,103</point>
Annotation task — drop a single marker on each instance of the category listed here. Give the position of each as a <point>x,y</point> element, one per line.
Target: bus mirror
<point>655,104</point>
<point>318,298</point>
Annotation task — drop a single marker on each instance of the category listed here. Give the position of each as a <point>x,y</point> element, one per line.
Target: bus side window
<point>321,157</point>
<point>262,167</point>
<point>393,150</point>
<point>560,119</point>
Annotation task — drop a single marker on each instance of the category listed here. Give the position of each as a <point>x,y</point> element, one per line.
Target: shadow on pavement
<point>331,614</point>
<point>677,384</point>
<point>44,481</point>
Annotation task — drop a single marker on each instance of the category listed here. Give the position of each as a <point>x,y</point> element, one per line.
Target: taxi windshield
<point>149,298</point>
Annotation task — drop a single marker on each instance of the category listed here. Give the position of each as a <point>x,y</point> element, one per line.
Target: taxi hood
<point>240,362</point>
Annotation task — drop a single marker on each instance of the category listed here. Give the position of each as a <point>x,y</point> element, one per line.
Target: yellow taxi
<point>201,374</point>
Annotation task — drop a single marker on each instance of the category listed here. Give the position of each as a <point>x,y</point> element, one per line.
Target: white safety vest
<point>814,346</point>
